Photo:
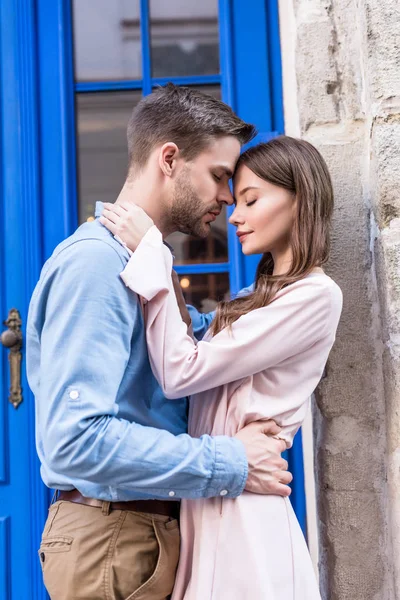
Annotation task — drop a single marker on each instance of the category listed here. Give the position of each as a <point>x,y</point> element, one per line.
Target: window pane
<point>205,291</point>
<point>107,43</point>
<point>191,250</point>
<point>102,147</point>
<point>184,37</point>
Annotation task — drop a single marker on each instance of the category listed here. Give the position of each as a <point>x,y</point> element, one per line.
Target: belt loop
<point>105,508</point>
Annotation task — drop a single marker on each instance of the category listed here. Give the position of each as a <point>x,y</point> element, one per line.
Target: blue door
<point>23,498</point>
<point>71,72</point>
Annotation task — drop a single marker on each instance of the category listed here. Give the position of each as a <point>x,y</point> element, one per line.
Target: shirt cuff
<point>231,468</point>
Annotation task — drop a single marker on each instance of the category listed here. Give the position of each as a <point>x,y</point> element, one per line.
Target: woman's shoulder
<point>322,281</point>
<point>315,286</point>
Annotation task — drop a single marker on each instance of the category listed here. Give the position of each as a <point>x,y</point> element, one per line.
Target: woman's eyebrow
<point>246,189</point>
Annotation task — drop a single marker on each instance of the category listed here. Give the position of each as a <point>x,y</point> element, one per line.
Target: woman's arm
<point>260,339</point>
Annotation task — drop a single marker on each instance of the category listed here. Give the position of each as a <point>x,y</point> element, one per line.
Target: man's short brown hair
<point>185,116</point>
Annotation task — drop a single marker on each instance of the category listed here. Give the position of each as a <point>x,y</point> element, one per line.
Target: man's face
<point>202,187</point>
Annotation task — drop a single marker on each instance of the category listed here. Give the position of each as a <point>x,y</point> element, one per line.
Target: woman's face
<point>264,214</point>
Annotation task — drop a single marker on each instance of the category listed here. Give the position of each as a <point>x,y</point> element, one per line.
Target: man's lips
<point>213,214</point>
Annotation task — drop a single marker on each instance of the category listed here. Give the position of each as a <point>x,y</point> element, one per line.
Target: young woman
<point>263,357</point>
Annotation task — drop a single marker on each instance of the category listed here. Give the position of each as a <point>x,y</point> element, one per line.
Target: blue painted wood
<point>228,87</point>
<point>202,268</point>
<point>137,84</point>
<point>124,85</point>
<point>296,466</point>
<point>5,553</point>
<point>23,497</point>
<point>3,358</point>
<point>189,80</point>
<point>146,45</point>
<point>57,122</point>
<point>274,53</point>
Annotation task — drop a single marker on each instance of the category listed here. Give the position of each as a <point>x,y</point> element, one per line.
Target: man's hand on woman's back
<point>268,472</point>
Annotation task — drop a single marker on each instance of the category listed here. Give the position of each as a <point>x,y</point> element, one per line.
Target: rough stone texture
<point>388,261</point>
<point>350,408</point>
<point>348,94</point>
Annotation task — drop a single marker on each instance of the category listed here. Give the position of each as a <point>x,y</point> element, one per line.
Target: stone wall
<point>341,61</point>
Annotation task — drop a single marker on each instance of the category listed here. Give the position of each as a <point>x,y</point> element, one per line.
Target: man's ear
<point>168,157</point>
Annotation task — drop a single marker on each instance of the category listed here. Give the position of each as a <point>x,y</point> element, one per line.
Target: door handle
<point>12,338</point>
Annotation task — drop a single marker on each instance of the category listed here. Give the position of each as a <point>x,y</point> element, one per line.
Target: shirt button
<point>223,492</point>
<point>171,494</point>
<point>74,395</point>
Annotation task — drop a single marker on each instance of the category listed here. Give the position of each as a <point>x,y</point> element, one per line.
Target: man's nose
<point>225,196</point>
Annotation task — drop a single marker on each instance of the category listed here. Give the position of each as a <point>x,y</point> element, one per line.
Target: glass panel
<point>107,42</point>
<point>191,250</point>
<point>184,37</point>
<point>102,120</point>
<point>205,291</point>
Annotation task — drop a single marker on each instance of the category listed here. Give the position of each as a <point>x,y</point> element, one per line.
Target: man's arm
<point>202,321</point>
<point>90,318</point>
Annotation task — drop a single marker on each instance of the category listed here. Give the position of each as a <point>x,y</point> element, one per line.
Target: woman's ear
<point>168,157</point>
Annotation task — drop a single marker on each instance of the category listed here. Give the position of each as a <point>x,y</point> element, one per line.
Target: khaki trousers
<point>90,553</point>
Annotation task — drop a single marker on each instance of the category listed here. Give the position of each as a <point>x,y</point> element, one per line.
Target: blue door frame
<point>39,199</point>
<point>23,498</point>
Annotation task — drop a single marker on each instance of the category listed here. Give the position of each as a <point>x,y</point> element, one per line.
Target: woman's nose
<point>236,218</point>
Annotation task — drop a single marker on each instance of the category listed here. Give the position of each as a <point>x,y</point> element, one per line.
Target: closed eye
<point>251,203</point>
<point>216,177</point>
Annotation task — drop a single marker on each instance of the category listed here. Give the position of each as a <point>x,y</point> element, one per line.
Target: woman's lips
<point>243,235</point>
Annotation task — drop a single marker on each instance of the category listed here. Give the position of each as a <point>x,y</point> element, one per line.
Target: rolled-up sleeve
<point>83,319</point>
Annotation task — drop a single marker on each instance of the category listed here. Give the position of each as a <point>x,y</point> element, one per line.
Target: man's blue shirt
<point>103,425</point>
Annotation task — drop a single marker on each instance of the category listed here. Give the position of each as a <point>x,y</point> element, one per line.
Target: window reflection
<point>102,119</point>
<point>192,250</point>
<point>107,42</point>
<point>205,291</point>
<point>184,37</point>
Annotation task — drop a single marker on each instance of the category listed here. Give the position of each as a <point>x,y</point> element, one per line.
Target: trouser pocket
<point>55,560</point>
<point>143,558</point>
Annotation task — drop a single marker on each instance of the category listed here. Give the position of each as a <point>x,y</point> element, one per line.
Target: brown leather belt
<point>168,508</point>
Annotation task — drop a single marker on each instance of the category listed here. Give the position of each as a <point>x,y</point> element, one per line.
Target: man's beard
<point>187,209</point>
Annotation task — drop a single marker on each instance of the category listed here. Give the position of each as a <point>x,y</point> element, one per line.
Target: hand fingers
<point>284,477</point>
<point>115,208</point>
<point>270,428</point>
<point>282,464</point>
<point>127,205</point>
<point>111,216</point>
<point>275,445</point>
<point>281,490</point>
<point>109,224</point>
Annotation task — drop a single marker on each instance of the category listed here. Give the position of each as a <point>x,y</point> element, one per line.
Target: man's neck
<point>140,193</point>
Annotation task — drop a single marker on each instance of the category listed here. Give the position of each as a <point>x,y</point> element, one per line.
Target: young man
<point>107,438</point>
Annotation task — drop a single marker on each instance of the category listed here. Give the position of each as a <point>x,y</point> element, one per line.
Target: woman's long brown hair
<point>298,167</point>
